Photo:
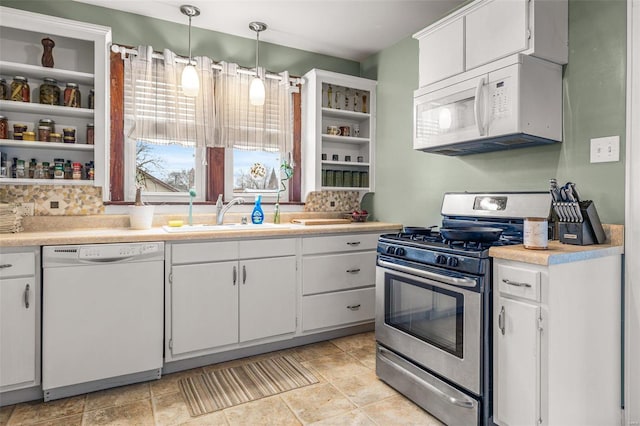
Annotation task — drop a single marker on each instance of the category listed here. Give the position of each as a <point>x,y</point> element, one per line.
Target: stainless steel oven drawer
<point>437,397</point>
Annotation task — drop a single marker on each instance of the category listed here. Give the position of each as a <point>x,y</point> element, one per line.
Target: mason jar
<point>49,92</point>
<point>20,90</point>
<point>72,95</point>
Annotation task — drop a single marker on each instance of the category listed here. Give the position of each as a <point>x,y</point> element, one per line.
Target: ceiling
<point>349,29</point>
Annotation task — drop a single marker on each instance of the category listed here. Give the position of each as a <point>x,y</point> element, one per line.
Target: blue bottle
<point>257,216</point>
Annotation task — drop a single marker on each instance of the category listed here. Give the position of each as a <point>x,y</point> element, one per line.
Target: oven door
<point>433,319</point>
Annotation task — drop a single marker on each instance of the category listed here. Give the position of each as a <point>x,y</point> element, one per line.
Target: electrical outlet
<point>27,209</point>
<point>604,150</point>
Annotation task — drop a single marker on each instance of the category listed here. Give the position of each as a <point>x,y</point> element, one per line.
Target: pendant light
<point>256,90</point>
<point>190,82</point>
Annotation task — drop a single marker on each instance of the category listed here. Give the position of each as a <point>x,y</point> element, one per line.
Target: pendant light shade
<point>190,81</point>
<point>257,90</point>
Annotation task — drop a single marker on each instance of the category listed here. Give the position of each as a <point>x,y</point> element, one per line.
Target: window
<point>163,152</point>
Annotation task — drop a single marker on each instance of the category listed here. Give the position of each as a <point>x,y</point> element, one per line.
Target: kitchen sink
<point>225,227</point>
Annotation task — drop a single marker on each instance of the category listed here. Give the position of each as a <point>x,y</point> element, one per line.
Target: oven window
<point>430,313</point>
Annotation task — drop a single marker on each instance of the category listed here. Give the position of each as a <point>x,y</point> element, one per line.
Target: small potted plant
<point>287,169</point>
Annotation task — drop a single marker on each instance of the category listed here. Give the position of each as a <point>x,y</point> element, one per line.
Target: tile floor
<point>348,393</point>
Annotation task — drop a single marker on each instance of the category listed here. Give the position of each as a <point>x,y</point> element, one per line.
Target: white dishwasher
<point>102,316</point>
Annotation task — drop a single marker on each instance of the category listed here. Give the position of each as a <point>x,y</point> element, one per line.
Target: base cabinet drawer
<point>326,273</point>
<point>341,308</point>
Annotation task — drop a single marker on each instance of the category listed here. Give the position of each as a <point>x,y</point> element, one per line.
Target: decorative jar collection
<point>59,168</point>
<point>345,98</point>
<point>345,178</point>
<point>49,92</point>
<point>43,131</point>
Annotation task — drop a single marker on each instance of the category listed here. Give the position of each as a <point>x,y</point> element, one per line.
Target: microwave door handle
<point>478,108</point>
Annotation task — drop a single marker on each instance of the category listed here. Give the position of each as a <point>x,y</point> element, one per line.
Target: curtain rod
<point>125,50</point>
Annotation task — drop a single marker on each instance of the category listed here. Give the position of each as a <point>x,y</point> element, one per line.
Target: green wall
<point>132,30</point>
<point>410,184</point>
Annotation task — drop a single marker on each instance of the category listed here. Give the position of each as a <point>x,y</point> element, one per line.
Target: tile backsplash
<point>332,201</point>
<point>72,200</point>
<point>50,200</point>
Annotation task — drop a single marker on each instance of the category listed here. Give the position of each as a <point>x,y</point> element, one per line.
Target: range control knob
<point>453,261</point>
<point>391,250</point>
<point>400,251</point>
<point>441,260</point>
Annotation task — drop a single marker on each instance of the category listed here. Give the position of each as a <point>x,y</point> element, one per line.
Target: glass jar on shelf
<point>4,127</point>
<point>49,92</point>
<point>20,90</point>
<point>4,89</point>
<point>72,96</point>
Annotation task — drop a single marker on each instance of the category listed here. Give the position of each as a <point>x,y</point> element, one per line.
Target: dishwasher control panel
<point>96,253</point>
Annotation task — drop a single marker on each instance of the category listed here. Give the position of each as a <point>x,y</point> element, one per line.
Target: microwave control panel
<point>500,98</point>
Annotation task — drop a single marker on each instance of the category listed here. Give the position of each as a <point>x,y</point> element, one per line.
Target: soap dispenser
<point>257,216</point>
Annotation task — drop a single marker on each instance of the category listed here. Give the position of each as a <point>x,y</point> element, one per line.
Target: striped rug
<point>218,389</point>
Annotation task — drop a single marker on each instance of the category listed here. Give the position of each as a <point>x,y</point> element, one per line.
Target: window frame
<point>214,176</point>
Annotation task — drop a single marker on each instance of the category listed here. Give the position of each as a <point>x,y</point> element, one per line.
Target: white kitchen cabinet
<point>518,354</point>
<point>80,56</point>
<point>19,319</point>
<point>223,294</point>
<point>558,361</point>
<point>338,162</point>
<point>338,280</point>
<point>486,30</point>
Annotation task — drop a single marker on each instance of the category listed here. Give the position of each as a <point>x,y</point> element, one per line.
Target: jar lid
<point>90,125</point>
<point>72,85</point>
<point>68,129</point>
<point>44,128</point>
<point>17,134</point>
<point>46,120</point>
<point>55,135</point>
<point>19,125</point>
<point>50,80</point>
<point>29,133</point>
<point>69,138</point>
<point>21,162</point>
<point>2,117</point>
<point>20,78</point>
<point>58,160</point>
<point>92,90</point>
<point>45,163</point>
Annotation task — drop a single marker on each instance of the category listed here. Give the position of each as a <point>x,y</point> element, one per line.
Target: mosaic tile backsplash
<point>50,200</point>
<point>72,200</point>
<point>332,201</point>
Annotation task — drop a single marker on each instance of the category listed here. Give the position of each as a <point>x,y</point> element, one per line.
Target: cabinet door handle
<point>26,296</point>
<point>353,271</point>
<point>244,274</point>
<point>354,307</point>
<point>6,265</point>
<point>501,320</point>
<point>353,243</point>
<point>516,283</point>
<point>235,275</point>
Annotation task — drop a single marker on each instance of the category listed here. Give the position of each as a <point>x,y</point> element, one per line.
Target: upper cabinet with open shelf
<point>338,140</point>
<point>81,56</point>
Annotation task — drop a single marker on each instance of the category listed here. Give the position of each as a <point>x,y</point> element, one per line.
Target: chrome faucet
<point>221,209</point>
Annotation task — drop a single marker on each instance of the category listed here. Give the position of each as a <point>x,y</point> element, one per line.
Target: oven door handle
<point>464,403</point>
<point>463,282</point>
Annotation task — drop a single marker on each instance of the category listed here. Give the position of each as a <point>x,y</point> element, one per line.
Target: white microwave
<point>515,102</point>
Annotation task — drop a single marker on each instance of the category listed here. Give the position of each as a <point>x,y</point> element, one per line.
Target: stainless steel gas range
<point>433,303</point>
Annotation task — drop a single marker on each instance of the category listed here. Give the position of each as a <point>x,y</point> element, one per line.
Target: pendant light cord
<point>257,50</point>
<point>189,39</point>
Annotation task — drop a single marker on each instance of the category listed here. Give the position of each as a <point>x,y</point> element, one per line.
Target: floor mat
<point>218,389</point>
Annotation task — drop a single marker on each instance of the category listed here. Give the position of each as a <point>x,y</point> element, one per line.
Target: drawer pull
<point>354,307</point>
<point>6,265</point>
<point>515,283</point>
<point>353,243</point>
<point>26,296</point>
<point>353,271</point>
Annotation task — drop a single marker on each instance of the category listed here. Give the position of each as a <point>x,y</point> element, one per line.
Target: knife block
<point>584,233</point>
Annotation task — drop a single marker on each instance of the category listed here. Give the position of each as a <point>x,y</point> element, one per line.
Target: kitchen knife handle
<point>501,320</point>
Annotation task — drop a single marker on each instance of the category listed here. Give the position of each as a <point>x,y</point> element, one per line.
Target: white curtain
<point>156,111</point>
<point>244,126</point>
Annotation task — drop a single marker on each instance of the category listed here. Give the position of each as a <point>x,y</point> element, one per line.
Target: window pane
<point>165,168</point>
<point>255,171</point>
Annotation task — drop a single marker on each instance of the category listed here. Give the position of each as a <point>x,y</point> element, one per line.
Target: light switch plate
<point>605,149</point>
